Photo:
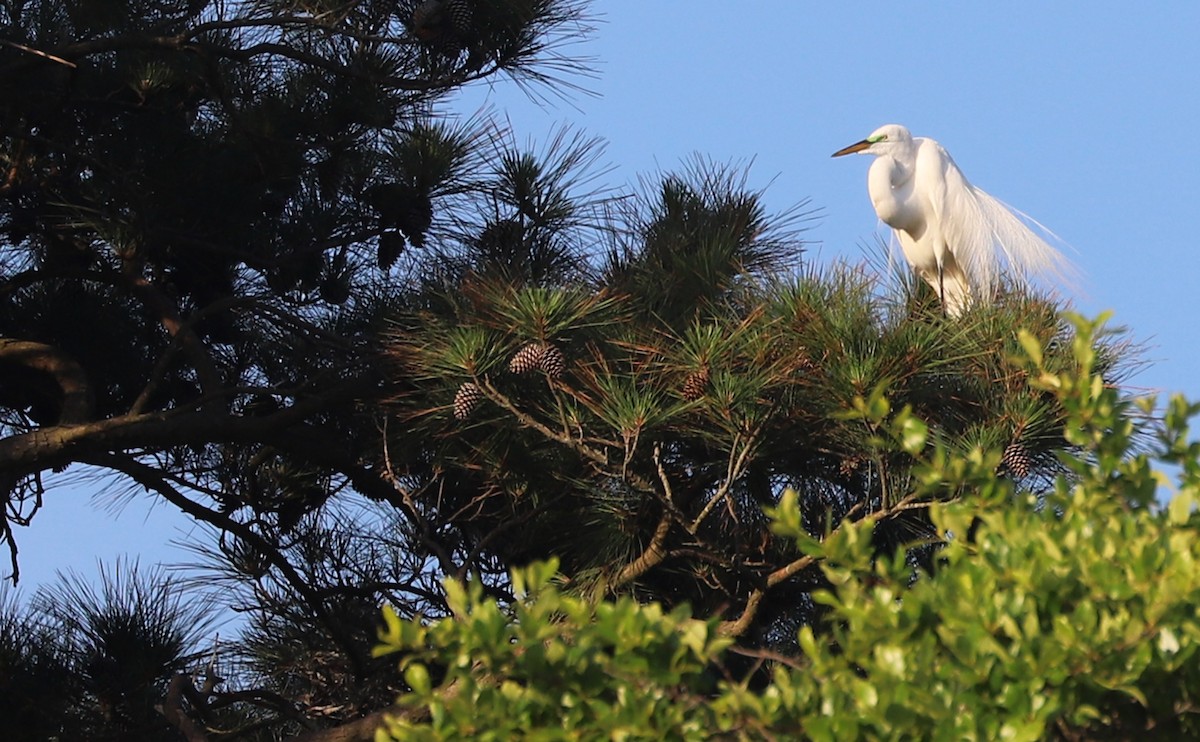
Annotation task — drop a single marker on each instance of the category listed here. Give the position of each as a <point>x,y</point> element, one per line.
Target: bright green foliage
<point>554,666</point>
<point>1071,616</point>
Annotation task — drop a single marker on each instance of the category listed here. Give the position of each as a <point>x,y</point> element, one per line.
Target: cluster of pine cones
<point>545,357</point>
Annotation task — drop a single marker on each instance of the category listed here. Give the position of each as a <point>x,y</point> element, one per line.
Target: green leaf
<point>890,659</point>
<point>1180,508</point>
<point>914,433</point>
<point>390,633</point>
<point>1032,347</point>
<point>456,598</point>
<point>417,678</point>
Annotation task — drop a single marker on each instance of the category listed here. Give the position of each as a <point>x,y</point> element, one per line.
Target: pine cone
<point>428,20</point>
<point>527,358</point>
<point>415,218</point>
<point>391,244</point>
<point>402,207</point>
<point>553,362</point>
<point>334,289</point>
<point>466,400</point>
<point>695,385</point>
<point>1016,460</point>
<point>459,12</point>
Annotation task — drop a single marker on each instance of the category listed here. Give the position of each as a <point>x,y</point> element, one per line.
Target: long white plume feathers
<point>991,239</point>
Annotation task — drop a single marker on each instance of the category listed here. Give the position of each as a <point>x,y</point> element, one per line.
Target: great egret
<point>956,237</point>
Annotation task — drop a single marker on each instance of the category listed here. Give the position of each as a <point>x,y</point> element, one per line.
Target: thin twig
<point>733,471</point>
<point>668,495</point>
<point>789,569</point>
<point>161,483</point>
<point>168,316</point>
<point>739,625</point>
<point>6,535</point>
<point>445,560</point>
<point>766,654</point>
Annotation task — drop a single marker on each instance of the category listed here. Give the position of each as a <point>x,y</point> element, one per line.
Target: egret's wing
<point>960,221</point>
<point>986,236</point>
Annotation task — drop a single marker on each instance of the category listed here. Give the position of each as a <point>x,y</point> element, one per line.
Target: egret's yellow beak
<point>856,147</point>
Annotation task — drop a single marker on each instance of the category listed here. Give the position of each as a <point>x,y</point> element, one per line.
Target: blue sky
<point>1083,115</point>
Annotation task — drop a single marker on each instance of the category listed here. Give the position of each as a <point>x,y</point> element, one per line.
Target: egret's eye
<point>877,138</point>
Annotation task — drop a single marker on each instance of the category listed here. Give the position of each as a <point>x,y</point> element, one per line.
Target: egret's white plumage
<point>957,238</point>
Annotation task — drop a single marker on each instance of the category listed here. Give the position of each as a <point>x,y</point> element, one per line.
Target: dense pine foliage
<point>1069,616</point>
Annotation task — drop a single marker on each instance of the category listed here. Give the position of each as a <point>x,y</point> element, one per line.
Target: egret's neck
<point>889,184</point>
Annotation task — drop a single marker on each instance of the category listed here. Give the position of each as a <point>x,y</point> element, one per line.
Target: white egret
<point>957,238</point>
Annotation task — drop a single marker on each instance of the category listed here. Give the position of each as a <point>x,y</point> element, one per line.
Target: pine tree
<point>704,383</point>
<point>250,268</point>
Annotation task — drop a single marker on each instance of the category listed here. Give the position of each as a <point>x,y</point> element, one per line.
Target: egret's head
<point>884,140</point>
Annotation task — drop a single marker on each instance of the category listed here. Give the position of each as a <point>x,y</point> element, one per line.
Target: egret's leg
<point>942,288</point>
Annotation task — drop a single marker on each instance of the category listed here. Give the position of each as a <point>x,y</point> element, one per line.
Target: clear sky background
<point>1086,116</point>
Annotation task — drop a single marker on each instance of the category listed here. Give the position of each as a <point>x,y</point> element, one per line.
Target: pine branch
<point>163,365</point>
<point>651,557</point>
<point>155,480</point>
<point>738,626</point>
<point>529,421</point>
<point>667,497</point>
<point>172,708</point>
<point>39,53</point>
<point>58,445</point>
<point>408,504</point>
<point>78,401</point>
<point>162,310</point>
